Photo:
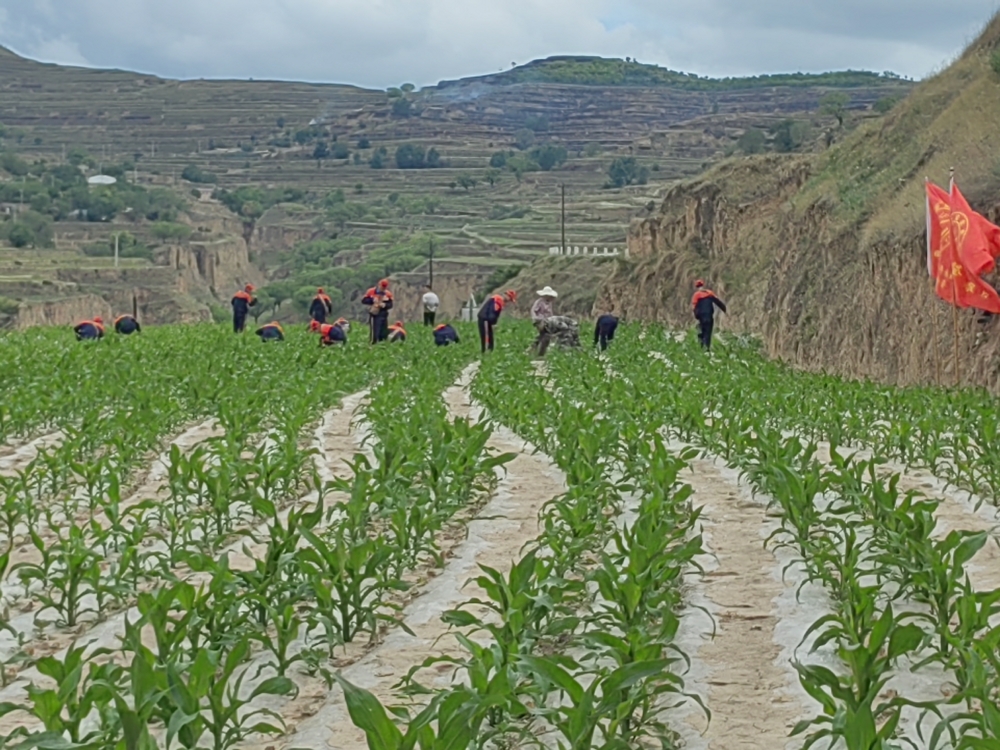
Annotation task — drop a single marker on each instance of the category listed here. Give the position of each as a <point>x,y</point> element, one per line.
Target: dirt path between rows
<point>495,537</point>
<point>13,459</point>
<point>743,672</point>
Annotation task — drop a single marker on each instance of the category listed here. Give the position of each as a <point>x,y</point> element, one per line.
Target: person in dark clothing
<point>320,307</point>
<point>489,315</point>
<point>329,335</point>
<point>89,330</point>
<point>127,325</point>
<point>604,331</point>
<point>271,332</point>
<point>703,303</point>
<point>397,332</point>
<point>444,335</point>
<point>243,300</point>
<point>379,301</point>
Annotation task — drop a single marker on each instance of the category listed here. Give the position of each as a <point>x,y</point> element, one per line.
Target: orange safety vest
<point>700,295</point>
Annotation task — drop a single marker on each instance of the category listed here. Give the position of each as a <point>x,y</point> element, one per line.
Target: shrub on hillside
<point>413,156</point>
<point>627,171</point>
<point>194,173</point>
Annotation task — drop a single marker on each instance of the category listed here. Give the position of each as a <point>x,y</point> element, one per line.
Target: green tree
<point>492,176</point>
<point>364,144</point>
<point>524,139</point>
<point>376,162</point>
<point>627,171</point>
<point>20,235</point>
<point>407,88</point>
<point>14,164</point>
<point>790,135</point>
<point>402,107</point>
<point>549,156</point>
<point>835,104</point>
<point>340,151</point>
<point>752,141</point>
<point>499,160</point>
<point>465,182</point>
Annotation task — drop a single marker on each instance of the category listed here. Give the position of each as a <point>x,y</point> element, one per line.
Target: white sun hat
<point>548,292</point>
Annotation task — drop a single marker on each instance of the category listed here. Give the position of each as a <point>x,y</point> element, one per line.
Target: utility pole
<point>430,266</point>
<point>562,188</point>
<point>117,235</point>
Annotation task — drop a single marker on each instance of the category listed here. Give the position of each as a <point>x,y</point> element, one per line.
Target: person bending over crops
<point>329,335</point>
<point>243,300</point>
<point>379,301</point>
<point>431,304</point>
<point>397,332</point>
<point>320,307</point>
<point>89,330</point>
<point>271,332</point>
<point>703,303</point>
<point>604,331</point>
<point>127,325</point>
<point>489,316</point>
<point>541,313</point>
<point>444,335</point>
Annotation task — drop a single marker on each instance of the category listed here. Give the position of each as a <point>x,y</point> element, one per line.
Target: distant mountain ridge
<point>602,71</point>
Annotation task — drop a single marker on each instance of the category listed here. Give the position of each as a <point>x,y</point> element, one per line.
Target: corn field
<point>206,542</point>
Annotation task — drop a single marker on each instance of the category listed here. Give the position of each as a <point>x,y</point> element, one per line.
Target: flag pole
<point>954,292</point>
<point>936,323</point>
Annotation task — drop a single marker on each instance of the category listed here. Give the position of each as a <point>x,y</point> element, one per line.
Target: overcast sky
<point>387,42</point>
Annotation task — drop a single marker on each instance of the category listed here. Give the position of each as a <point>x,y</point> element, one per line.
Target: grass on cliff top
<point>876,175</point>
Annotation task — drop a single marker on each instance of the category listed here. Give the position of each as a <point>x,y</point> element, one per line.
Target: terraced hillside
<point>332,149</point>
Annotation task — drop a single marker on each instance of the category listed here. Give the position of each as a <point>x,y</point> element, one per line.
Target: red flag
<point>974,235</point>
<point>956,234</point>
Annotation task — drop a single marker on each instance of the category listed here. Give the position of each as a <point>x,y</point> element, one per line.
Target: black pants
<point>605,339</point>
<point>239,322</point>
<point>705,332</point>
<point>485,334</point>
<point>429,317</point>
<point>379,327</point>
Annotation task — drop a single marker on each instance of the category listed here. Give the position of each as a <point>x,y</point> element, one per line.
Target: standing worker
<point>127,325</point>
<point>431,305</point>
<point>89,330</point>
<point>489,316</point>
<point>604,331</point>
<point>444,335</point>
<point>397,332</point>
<point>703,303</point>
<point>329,335</point>
<point>378,299</point>
<point>541,313</point>
<point>320,307</point>
<point>243,300</point>
<point>271,332</point>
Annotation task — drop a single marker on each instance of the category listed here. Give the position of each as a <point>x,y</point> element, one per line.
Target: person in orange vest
<point>127,325</point>
<point>703,304</point>
<point>329,335</point>
<point>271,332</point>
<point>243,300</point>
<point>444,335</point>
<point>397,332</point>
<point>89,330</point>
<point>379,302</point>
<point>489,315</point>
<point>321,306</point>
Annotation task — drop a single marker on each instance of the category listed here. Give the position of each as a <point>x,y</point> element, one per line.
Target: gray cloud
<point>386,42</point>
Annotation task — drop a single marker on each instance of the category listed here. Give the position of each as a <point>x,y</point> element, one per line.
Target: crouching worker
<point>397,332</point>
<point>604,331</point>
<point>271,332</point>
<point>489,316</point>
<point>444,335</point>
<point>329,335</point>
<point>703,303</point>
<point>89,330</point>
<point>126,325</point>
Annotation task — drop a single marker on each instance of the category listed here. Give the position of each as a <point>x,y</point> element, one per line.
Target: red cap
<point>98,319</point>
<point>250,288</point>
<point>699,284</point>
<point>384,284</point>
<point>319,291</point>
<point>511,295</point>
<point>314,325</point>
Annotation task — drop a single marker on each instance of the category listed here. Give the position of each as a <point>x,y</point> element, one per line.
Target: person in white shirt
<point>431,304</point>
<point>541,312</point>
